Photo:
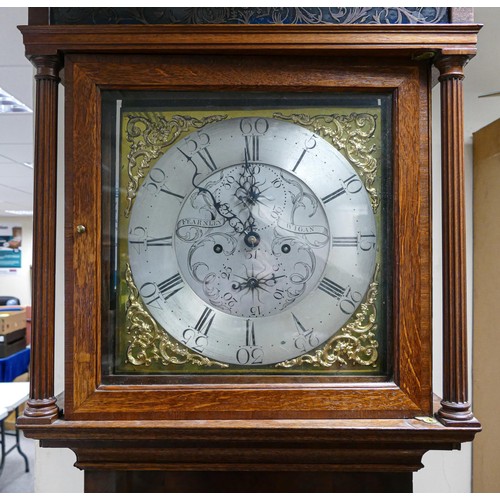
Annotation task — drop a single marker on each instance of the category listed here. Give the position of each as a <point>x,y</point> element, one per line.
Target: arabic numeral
<point>276,212</point>
<point>228,182</point>
<point>249,355</point>
<point>309,143</point>
<point>366,242</point>
<point>137,238</point>
<point>306,342</point>
<point>251,254</point>
<point>252,126</point>
<point>305,338</point>
<point>255,311</point>
<point>229,300</point>
<point>277,183</point>
<point>194,339</point>
<point>350,301</point>
<point>151,295</point>
<point>155,180</point>
<point>196,142</point>
<point>353,184</point>
<point>156,183</point>
<point>226,273</point>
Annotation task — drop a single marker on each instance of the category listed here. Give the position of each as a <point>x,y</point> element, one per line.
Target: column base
<point>453,414</point>
<point>39,411</point>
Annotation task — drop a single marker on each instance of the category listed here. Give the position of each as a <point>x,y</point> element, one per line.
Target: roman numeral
<point>332,196</point>
<point>205,156</point>
<point>298,324</point>
<point>165,241</point>
<point>309,143</point>
<point>250,333</point>
<point>331,288</point>
<point>299,160</point>
<point>252,147</point>
<point>344,241</point>
<point>205,322</point>
<point>170,286</point>
<point>171,193</point>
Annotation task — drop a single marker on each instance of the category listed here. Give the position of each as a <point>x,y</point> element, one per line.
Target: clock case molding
<point>269,425</point>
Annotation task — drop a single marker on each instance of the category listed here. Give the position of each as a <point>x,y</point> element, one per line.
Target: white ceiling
<point>16,130</point>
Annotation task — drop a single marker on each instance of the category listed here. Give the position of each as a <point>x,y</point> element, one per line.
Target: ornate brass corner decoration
<point>356,343</point>
<point>149,135</point>
<point>149,343</point>
<point>352,135</point>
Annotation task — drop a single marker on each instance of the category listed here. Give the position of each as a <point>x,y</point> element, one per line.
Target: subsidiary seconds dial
<point>252,241</point>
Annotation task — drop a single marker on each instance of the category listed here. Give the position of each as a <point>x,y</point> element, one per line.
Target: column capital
<point>47,66</point>
<point>451,66</point>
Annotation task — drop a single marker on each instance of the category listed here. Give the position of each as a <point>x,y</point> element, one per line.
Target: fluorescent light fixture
<point>19,212</point>
<point>9,104</point>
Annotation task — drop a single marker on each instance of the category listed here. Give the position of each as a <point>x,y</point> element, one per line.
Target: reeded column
<point>455,408</point>
<point>41,407</point>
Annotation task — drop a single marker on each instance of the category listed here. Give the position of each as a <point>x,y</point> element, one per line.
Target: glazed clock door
<point>248,232</point>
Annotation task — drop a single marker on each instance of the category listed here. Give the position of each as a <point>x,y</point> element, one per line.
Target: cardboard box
<point>12,342</point>
<point>12,319</point>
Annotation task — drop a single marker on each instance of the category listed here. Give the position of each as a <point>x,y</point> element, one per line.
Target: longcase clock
<point>248,246</point>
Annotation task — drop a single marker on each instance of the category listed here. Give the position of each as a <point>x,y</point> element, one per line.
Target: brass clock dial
<point>252,241</point>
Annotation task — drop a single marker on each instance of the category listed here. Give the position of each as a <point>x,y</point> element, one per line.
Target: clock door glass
<point>246,233</point>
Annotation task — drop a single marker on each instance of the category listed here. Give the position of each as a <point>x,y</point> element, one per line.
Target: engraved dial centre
<point>269,237</point>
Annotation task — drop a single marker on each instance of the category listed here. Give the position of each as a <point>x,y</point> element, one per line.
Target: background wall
<point>444,471</point>
<point>451,471</point>
<point>19,284</point>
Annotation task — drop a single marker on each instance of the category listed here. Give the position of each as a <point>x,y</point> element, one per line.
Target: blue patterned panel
<point>249,15</point>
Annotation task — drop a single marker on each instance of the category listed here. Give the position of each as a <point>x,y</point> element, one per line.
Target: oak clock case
<point>159,389</point>
<point>246,235</point>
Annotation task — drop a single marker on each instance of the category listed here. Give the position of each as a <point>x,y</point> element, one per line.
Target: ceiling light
<point>19,212</point>
<point>9,104</point>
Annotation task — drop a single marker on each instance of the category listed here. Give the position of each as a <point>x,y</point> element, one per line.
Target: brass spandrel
<point>148,342</point>
<point>356,343</point>
<point>353,135</point>
<point>149,136</point>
